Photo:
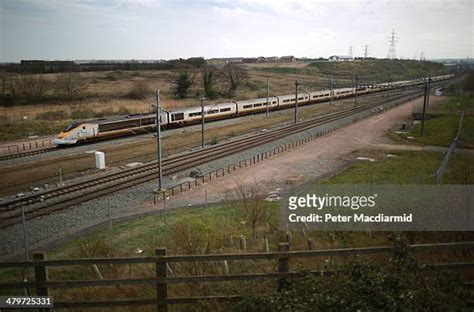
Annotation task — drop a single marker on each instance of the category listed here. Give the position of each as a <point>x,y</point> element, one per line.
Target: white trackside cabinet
<point>100,160</point>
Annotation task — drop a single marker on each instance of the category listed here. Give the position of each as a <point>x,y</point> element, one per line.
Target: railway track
<point>28,153</point>
<point>48,201</point>
<point>52,149</point>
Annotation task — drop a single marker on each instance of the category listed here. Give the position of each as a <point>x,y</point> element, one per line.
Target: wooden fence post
<point>283,264</point>
<point>41,275</point>
<point>161,288</point>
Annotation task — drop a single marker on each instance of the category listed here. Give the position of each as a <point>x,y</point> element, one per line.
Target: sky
<point>167,29</point>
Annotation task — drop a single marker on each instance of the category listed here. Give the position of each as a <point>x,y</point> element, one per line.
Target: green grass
<point>454,106</point>
<point>374,68</point>
<point>442,128</point>
<point>13,131</point>
<point>406,167</point>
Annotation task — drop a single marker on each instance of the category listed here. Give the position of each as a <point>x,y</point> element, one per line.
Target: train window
<point>327,94</point>
<point>177,116</point>
<point>213,111</point>
<point>300,98</point>
<point>248,106</point>
<point>257,105</point>
<point>72,126</point>
<point>286,101</point>
<point>195,114</point>
<point>83,127</point>
<point>274,102</point>
<point>225,109</point>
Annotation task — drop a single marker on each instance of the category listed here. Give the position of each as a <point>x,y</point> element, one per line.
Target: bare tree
<point>235,75</point>
<point>209,79</point>
<point>30,87</point>
<point>250,205</point>
<point>70,85</point>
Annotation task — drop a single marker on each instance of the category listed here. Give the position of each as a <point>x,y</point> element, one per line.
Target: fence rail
<point>161,279</point>
<point>26,146</point>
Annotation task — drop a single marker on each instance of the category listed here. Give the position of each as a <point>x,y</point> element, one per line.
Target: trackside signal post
<point>158,139</point>
<point>202,120</point>
<point>296,101</point>
<point>425,104</point>
<point>160,189</point>
<point>268,94</point>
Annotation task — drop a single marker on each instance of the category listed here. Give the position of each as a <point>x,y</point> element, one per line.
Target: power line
<point>351,50</point>
<point>392,52</point>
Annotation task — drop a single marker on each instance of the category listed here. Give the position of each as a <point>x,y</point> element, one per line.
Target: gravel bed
<point>61,224</point>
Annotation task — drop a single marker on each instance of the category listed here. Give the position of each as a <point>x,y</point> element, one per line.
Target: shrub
<point>83,113</point>
<point>123,111</point>
<point>140,90</point>
<point>398,285</point>
<point>182,83</point>
<point>56,115</point>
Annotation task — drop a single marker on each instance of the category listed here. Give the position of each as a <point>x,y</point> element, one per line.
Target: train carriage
<point>256,105</point>
<point>319,96</point>
<point>289,100</point>
<point>193,115</point>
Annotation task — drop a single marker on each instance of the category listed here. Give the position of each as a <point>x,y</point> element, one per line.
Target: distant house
<point>341,58</point>
<point>250,60</point>
<point>233,60</point>
<point>287,59</point>
<point>272,59</point>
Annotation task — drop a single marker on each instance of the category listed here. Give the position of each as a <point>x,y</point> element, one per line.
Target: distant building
<point>341,58</point>
<point>250,60</point>
<point>287,59</point>
<point>272,59</point>
<point>233,60</point>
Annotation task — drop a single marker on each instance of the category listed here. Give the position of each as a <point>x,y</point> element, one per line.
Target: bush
<point>123,111</point>
<point>182,83</point>
<point>57,115</point>
<point>140,90</point>
<point>83,113</point>
<point>397,285</point>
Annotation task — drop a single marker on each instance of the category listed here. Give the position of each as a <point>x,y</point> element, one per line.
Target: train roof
<point>107,119</point>
<point>206,108</point>
<point>260,100</point>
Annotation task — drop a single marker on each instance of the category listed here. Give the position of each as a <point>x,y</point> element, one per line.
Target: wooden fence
<point>161,279</point>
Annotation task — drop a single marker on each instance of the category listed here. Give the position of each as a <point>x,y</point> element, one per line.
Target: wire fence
<point>444,163</point>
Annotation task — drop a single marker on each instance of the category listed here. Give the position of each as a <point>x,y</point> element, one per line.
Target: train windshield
<point>72,126</point>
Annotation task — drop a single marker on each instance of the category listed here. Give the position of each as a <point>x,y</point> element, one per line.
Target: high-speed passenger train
<point>82,131</point>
